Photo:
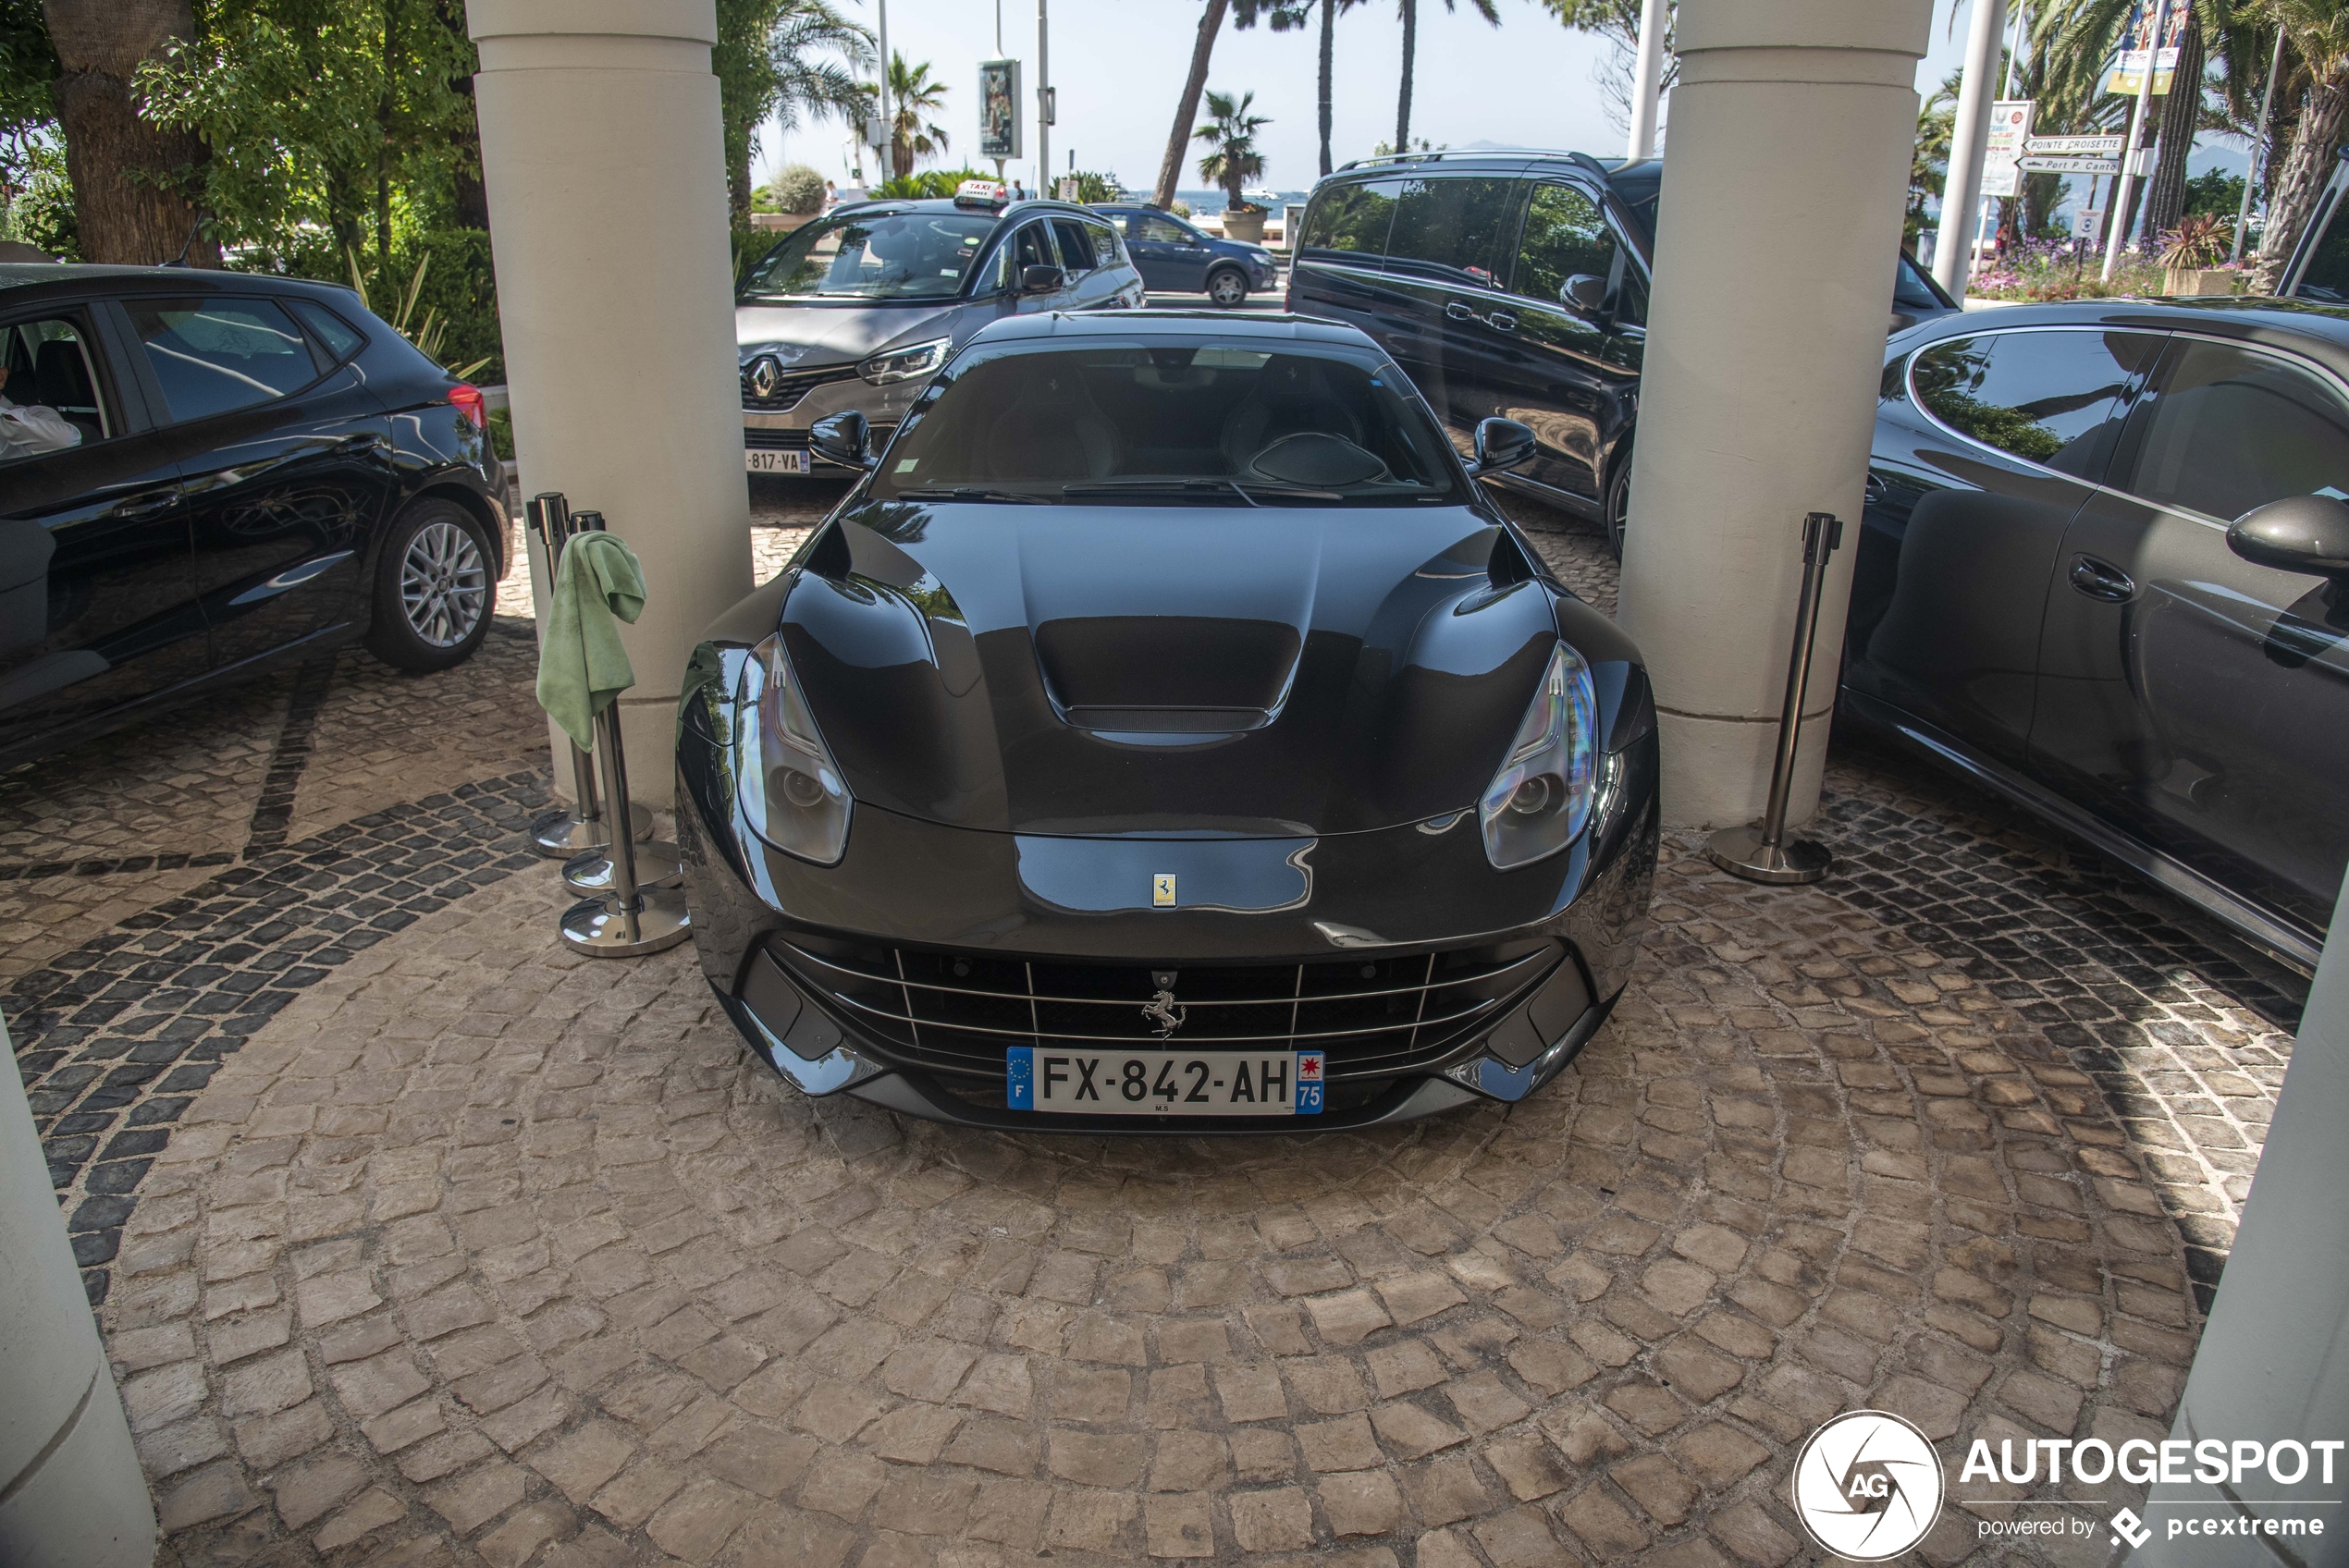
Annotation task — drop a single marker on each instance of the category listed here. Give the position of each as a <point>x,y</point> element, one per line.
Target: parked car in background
<point>263,471</point>
<point>1513,285</point>
<point>1165,736</point>
<point>860,308</point>
<point>2104,568</point>
<point>1175,258</point>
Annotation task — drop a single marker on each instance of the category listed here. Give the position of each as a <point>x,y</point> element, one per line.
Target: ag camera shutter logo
<point>1867,1486</point>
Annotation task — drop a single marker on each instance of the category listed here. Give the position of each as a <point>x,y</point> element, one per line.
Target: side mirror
<point>1042,280</point>
<point>845,438</point>
<point>2303,534</point>
<point>1584,294</point>
<point>1502,443</point>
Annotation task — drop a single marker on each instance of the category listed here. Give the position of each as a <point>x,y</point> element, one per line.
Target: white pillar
<point>70,1488</point>
<point>2273,1364</point>
<point>1969,142</point>
<point>1647,78</point>
<point>607,175</point>
<point>1790,121</point>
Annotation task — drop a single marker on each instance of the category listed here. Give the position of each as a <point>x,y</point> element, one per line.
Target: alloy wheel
<point>444,584</point>
<point>1227,289</point>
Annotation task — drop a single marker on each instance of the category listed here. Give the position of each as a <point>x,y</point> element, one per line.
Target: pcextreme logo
<point>1867,1486</point>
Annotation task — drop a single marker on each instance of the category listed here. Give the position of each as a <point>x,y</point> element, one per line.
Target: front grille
<point>792,387</point>
<point>1370,1015</point>
<point>775,440</point>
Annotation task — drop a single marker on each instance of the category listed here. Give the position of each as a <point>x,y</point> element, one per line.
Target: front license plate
<point>1164,1082</point>
<point>770,461</point>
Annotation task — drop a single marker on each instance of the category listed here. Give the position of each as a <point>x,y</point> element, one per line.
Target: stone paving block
<point>1178,1525</point>
<point>371,1512</point>
<point>479,1494</point>
<point>1280,1520</point>
<point>1445,1490</point>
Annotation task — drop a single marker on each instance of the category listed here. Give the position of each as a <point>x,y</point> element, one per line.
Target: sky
<point>1119,66</point>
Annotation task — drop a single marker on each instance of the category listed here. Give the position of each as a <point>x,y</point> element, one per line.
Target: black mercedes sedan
<point>205,474</point>
<point>1166,735</point>
<point>2105,571</point>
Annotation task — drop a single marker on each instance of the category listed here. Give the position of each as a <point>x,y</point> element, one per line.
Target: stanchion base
<point>1741,852</point>
<point>558,835</point>
<point>658,866</point>
<point>592,926</point>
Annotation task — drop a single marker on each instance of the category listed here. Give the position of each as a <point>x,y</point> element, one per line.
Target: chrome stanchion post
<point>559,834</point>
<point>626,917</point>
<point>1760,851</point>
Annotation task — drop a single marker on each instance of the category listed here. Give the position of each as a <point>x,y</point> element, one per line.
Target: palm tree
<point>1330,9</point>
<point>773,60</point>
<point>1929,163</point>
<point>1410,10</point>
<point>1231,131</point>
<point>1281,14</point>
<point>2318,32</point>
<point>911,94</point>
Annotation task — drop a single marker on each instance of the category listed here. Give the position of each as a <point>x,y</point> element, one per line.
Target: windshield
<point>1230,423</point>
<point>873,256</point>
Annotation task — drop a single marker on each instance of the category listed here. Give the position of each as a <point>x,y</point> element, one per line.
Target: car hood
<point>816,335</point>
<point>1173,671</point>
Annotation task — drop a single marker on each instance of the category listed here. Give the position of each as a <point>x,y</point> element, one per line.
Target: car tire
<point>433,588</point>
<point>1616,511</point>
<point>1227,289</point>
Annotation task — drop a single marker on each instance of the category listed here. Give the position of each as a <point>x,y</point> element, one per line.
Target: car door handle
<point>139,511</point>
<point>1501,321</point>
<point>1458,312</point>
<point>2101,580</point>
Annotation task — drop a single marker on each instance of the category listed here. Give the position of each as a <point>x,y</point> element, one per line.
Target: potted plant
<point>1233,161</point>
<point>2191,253</point>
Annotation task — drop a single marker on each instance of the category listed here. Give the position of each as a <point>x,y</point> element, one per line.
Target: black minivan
<point>1513,285</point>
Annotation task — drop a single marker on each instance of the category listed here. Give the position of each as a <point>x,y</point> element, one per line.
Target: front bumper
<point>782,423</point>
<point>807,960</point>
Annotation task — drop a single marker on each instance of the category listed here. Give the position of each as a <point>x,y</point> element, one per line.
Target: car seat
<point>61,380</point>
<point>1053,431</point>
<point>1291,398</point>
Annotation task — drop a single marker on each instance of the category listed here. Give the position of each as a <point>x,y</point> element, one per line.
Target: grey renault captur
<point>860,308</point>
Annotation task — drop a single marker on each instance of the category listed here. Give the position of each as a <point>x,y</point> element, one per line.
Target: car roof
<point>1634,181</point>
<point>1224,324</point>
<point>1029,207</point>
<point>2319,331</point>
<point>32,280</point>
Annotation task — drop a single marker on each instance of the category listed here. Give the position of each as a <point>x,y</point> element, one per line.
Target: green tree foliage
<point>2216,193</point>
<point>1093,187</point>
<point>1929,163</point>
<point>1230,135</point>
<point>786,60</point>
<point>1618,22</point>
<point>928,185</point>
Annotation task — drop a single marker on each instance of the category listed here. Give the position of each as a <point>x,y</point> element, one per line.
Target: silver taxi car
<point>860,308</point>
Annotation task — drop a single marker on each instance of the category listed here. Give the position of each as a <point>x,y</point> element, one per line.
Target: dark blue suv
<point>1177,258</point>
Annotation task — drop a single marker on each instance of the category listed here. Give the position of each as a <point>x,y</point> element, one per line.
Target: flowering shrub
<point>2041,270</point>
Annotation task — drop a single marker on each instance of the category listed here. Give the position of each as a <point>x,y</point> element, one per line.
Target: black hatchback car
<point>2067,588</point>
<point>1513,285</point>
<point>258,470</point>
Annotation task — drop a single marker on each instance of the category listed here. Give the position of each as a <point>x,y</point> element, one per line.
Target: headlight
<point>1541,798</point>
<point>787,783</point>
<point>1263,258</point>
<point>903,365</point>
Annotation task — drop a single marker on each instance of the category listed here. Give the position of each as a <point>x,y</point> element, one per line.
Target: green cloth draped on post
<point>581,666</point>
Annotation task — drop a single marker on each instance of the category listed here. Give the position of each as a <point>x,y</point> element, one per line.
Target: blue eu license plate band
<point>1221,1084</point>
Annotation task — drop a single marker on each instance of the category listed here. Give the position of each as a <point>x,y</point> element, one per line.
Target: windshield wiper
<point>968,493</point>
<point>1203,488</point>
<point>1287,491</point>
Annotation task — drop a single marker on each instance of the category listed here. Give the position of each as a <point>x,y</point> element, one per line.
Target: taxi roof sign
<point>980,193</point>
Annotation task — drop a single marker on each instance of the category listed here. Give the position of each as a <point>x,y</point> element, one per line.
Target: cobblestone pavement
<point>420,1241</point>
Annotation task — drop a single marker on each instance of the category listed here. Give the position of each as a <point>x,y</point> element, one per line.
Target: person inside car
<point>28,430</point>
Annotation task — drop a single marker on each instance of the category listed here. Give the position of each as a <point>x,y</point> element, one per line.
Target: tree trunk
<point>470,198</point>
<point>131,182</point>
<point>1329,32</point>
<point>1179,142</point>
<point>2301,178</point>
<point>1403,100</point>
<point>2166,194</point>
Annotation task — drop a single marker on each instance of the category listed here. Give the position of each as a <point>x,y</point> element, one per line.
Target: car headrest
<point>60,375</point>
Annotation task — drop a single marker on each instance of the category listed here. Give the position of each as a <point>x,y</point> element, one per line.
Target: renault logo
<point>765,374</point>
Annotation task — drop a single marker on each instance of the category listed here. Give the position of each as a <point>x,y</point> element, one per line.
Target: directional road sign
<point>2073,146</point>
<point>2068,166</point>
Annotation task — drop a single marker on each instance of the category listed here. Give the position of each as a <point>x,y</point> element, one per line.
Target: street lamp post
<point>2259,148</point>
<point>1969,137</point>
<point>2118,219</point>
<point>1043,101</point>
<point>886,150</point>
<point>1648,80</point>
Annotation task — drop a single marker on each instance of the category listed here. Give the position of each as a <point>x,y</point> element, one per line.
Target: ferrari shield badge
<point>1162,890</point>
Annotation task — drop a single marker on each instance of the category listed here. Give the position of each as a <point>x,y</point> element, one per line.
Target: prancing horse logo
<point>1167,1013</point>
